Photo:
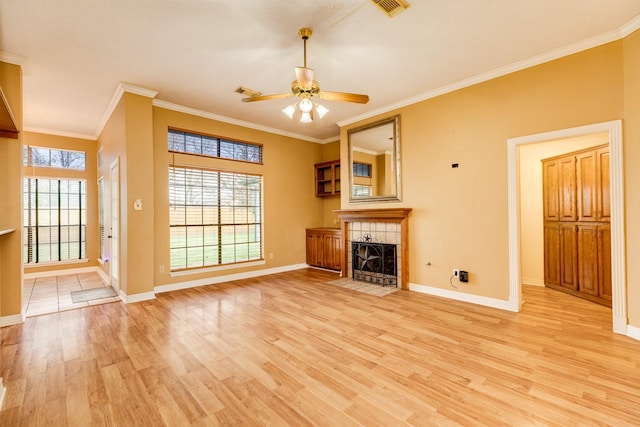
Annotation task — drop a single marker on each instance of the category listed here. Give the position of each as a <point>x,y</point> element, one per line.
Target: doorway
<point>114,234</point>
<point>614,132</point>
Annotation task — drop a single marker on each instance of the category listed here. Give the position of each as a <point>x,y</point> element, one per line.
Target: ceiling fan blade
<point>346,97</point>
<point>305,77</point>
<point>266,97</point>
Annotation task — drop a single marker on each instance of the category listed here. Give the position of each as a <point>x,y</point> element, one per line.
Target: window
<point>54,220</point>
<point>215,217</point>
<point>52,158</point>
<point>203,145</point>
<point>362,169</point>
<point>361,190</point>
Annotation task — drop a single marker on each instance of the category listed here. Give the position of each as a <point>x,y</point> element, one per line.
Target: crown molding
<point>120,90</point>
<point>60,133</point>
<point>12,58</point>
<point>630,27</point>
<point>232,121</point>
<point>580,46</point>
<point>138,90</point>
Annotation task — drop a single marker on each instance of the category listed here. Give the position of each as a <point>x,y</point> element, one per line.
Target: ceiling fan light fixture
<point>305,117</point>
<point>321,110</point>
<point>289,110</point>
<point>306,105</point>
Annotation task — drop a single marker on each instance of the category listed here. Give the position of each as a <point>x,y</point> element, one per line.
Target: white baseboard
<point>633,332</point>
<point>226,278</point>
<point>104,276</point>
<point>14,319</point>
<point>461,296</point>
<point>143,296</point>
<point>532,281</point>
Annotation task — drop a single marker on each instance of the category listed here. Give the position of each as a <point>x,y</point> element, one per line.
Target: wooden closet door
<point>587,176</point>
<point>568,257</point>
<point>552,254</point>
<point>567,183</point>
<point>604,181</point>
<point>588,259</point>
<point>551,189</point>
<point>604,262</point>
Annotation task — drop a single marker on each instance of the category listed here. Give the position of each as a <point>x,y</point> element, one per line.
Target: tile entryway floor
<point>53,293</point>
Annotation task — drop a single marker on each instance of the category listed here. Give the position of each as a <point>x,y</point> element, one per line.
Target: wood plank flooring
<point>290,349</point>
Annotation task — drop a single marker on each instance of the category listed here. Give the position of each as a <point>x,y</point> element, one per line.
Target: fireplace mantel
<point>395,215</point>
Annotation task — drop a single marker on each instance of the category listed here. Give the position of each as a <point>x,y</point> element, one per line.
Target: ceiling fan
<point>305,88</point>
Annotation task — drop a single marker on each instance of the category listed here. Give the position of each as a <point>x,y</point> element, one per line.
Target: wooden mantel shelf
<point>394,214</point>
<point>397,215</point>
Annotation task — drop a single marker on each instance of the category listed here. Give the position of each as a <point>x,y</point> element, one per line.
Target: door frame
<point>114,234</point>
<point>618,253</point>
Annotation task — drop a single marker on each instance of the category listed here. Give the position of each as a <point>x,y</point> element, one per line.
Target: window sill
<point>54,263</point>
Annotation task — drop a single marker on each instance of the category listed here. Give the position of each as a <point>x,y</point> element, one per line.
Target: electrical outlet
<point>464,276</point>
<point>456,272</point>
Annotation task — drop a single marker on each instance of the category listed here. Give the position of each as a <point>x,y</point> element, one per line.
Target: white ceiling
<point>195,53</point>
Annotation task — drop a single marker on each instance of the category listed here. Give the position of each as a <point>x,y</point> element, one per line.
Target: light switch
<point>137,205</point>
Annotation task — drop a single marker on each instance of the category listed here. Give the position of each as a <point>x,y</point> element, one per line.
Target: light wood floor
<point>289,349</point>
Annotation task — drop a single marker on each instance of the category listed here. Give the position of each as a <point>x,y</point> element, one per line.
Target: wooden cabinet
<point>577,236</point>
<point>327,178</point>
<point>324,248</point>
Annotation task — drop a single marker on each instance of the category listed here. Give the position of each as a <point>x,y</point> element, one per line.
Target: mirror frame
<point>395,120</point>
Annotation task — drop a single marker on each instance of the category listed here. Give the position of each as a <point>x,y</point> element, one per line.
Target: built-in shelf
<point>8,127</point>
<point>327,178</point>
<point>4,231</point>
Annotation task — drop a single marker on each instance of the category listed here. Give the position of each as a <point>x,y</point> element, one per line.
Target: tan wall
<point>631,134</point>
<point>138,248</point>
<point>290,204</point>
<point>76,144</point>
<point>331,151</point>
<point>11,195</point>
<point>531,220</point>
<point>459,217</point>
<point>112,141</point>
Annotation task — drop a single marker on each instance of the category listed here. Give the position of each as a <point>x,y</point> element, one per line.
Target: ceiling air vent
<point>391,8</point>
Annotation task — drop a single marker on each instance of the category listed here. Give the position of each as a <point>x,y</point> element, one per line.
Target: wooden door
<point>552,255</point>
<point>603,185</point>
<point>604,262</point>
<point>332,252</point>
<point>568,256</point>
<point>587,177</point>
<point>550,190</point>
<point>567,188</point>
<point>315,248</point>
<point>588,259</point>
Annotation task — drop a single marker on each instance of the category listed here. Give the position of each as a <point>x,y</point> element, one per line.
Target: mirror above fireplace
<point>374,161</point>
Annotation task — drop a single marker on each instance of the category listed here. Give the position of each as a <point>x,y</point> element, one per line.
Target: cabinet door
<point>552,254</point>
<point>336,244</point>
<point>551,190</point>
<point>567,188</point>
<point>603,205</point>
<point>568,258</point>
<point>587,175</point>
<point>588,259</point>
<point>314,248</point>
<point>604,262</point>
